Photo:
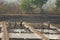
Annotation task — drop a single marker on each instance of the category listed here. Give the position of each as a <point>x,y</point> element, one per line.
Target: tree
<point>25,5</point>
<point>58,3</point>
<point>29,5</point>
<point>57,9</point>
<point>39,3</point>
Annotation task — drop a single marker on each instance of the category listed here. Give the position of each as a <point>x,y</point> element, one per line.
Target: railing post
<point>4,31</point>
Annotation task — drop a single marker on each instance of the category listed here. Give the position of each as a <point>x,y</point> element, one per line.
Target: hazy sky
<point>11,1</point>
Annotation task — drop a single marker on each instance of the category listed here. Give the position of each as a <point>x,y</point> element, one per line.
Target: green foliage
<point>24,4</point>
<point>38,3</point>
<point>58,3</point>
<point>57,9</point>
<point>31,4</point>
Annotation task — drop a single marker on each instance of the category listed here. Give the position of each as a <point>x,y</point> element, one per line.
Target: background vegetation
<point>29,6</point>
